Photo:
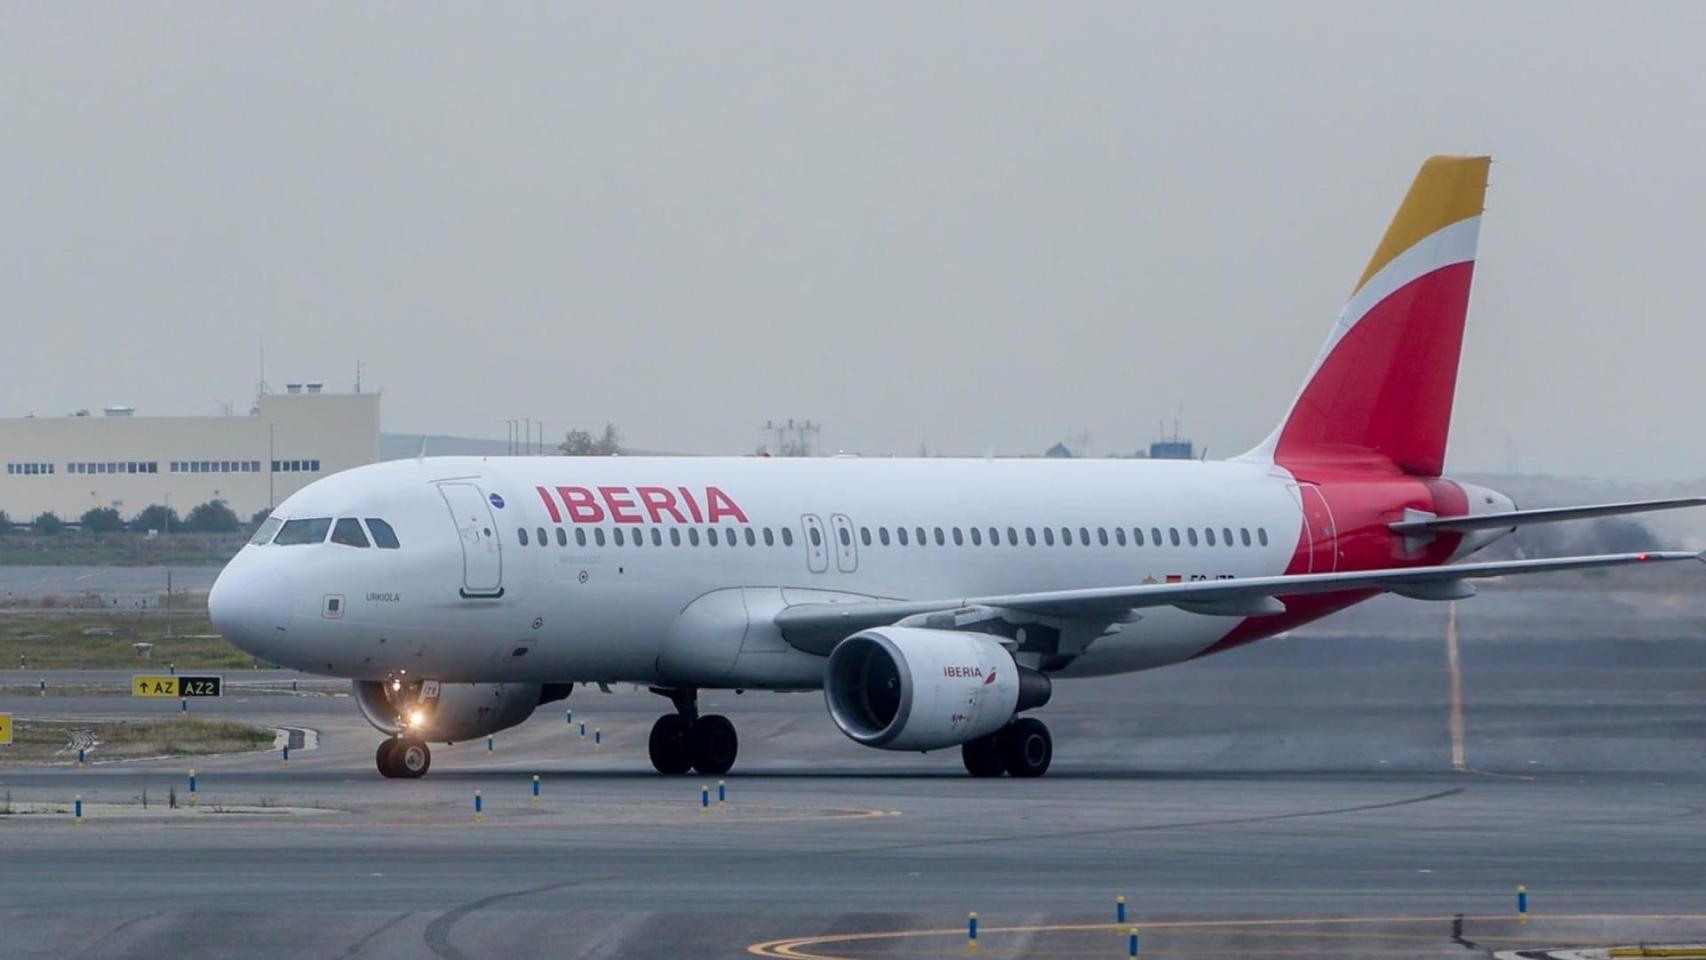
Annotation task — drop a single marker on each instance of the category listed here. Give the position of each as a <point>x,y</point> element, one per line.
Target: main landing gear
<point>403,757</point>
<point>1023,748</point>
<point>683,740</point>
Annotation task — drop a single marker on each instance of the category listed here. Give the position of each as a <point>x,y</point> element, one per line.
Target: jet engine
<point>911,688</point>
<point>449,712</point>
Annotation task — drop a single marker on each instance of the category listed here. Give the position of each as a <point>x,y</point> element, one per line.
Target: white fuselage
<point>471,594</point>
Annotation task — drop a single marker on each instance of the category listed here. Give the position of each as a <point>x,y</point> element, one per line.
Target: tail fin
<point>1382,388</point>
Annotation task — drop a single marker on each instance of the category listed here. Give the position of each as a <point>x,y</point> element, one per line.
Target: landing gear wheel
<point>382,758</point>
<point>714,745</point>
<point>1026,747</point>
<point>412,758</point>
<point>671,744</point>
<point>983,756</point>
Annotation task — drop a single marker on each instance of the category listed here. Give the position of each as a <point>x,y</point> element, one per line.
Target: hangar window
<point>297,532</point>
<point>383,536</point>
<point>348,532</point>
<point>1262,536</point>
<point>268,528</point>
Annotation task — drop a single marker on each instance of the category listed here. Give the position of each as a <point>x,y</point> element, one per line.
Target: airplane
<point>934,602</point>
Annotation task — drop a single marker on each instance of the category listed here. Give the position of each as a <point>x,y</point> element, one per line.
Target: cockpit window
<point>268,528</point>
<point>383,536</point>
<point>303,531</point>
<point>348,532</point>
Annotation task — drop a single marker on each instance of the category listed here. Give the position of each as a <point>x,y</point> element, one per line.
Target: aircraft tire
<point>411,758</point>
<point>1027,747</point>
<point>382,758</point>
<point>983,757</point>
<point>715,745</point>
<point>671,744</point>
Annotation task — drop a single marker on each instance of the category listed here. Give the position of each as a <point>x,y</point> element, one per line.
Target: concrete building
<point>117,459</point>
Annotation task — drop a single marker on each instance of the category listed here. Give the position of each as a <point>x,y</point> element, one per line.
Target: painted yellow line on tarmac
<point>794,948</point>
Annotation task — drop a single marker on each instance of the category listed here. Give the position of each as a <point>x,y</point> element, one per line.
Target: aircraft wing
<point>817,627</point>
<point>1517,518</point>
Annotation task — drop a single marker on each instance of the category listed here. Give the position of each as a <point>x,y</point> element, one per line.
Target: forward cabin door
<point>1323,546</point>
<point>817,545</point>
<point>482,556</point>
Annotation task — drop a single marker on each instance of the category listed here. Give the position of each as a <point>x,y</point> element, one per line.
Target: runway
<point>1296,798</point>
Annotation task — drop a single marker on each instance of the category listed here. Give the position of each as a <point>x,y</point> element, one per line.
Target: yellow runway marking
<point>794,948</point>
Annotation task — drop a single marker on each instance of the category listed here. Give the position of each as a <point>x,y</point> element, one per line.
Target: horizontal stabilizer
<point>1517,518</point>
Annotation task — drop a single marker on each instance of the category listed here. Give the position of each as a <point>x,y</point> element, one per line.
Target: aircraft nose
<point>250,607</point>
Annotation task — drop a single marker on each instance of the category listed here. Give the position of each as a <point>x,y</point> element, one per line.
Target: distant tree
<point>48,524</point>
<point>102,520</point>
<point>260,516</point>
<point>156,517</point>
<point>579,443</point>
<point>5,523</point>
<point>212,517</point>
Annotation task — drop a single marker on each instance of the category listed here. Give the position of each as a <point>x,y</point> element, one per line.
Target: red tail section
<point>1381,391</point>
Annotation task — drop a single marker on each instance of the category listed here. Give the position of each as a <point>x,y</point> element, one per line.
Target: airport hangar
<point>70,464</point>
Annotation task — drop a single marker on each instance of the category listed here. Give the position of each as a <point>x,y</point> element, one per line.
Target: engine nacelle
<point>450,712</point>
<point>911,688</point>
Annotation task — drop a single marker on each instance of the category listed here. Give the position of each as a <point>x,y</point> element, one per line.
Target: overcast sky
<point>979,226</point>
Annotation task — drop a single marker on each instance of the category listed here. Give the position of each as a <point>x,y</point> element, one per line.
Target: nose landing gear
<point>405,758</point>
<point>684,741</point>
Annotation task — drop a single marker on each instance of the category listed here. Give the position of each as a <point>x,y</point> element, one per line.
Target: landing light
<point>417,718</point>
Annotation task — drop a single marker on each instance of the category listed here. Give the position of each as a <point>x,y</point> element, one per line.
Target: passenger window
<point>865,536</point>
<point>1155,536</point>
<point>562,537</point>
<point>348,532</point>
<point>636,538</point>
<point>616,536</point>
<point>540,531</point>
<point>1048,536</point>
<point>598,535</point>
<point>883,535</point>
<point>976,537</point>
<point>751,537</point>
<point>845,537</point>
<point>1226,535</point>
<point>1137,536</point>
<point>1173,535</point>
<point>1261,535</point>
<point>1030,536</point>
<point>920,532</point>
<point>994,537</point>
<point>265,533</point>
<point>941,541</point>
<point>729,536</point>
<point>900,534</point>
<point>769,537</point>
<point>1191,534</point>
<point>1102,536</point>
<point>521,535</point>
<point>787,536</point>
<point>657,537</point>
<point>711,535</point>
<point>1012,537</point>
<point>1066,536</point>
<point>817,538</point>
<point>693,536</point>
<point>1209,533</point>
<point>1244,535</point>
<point>675,536</point>
<point>1119,536</point>
<point>959,538</point>
<point>580,536</point>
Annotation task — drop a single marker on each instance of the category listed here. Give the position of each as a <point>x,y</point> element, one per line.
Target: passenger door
<point>482,555</point>
<point>817,546</point>
<point>846,551</point>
